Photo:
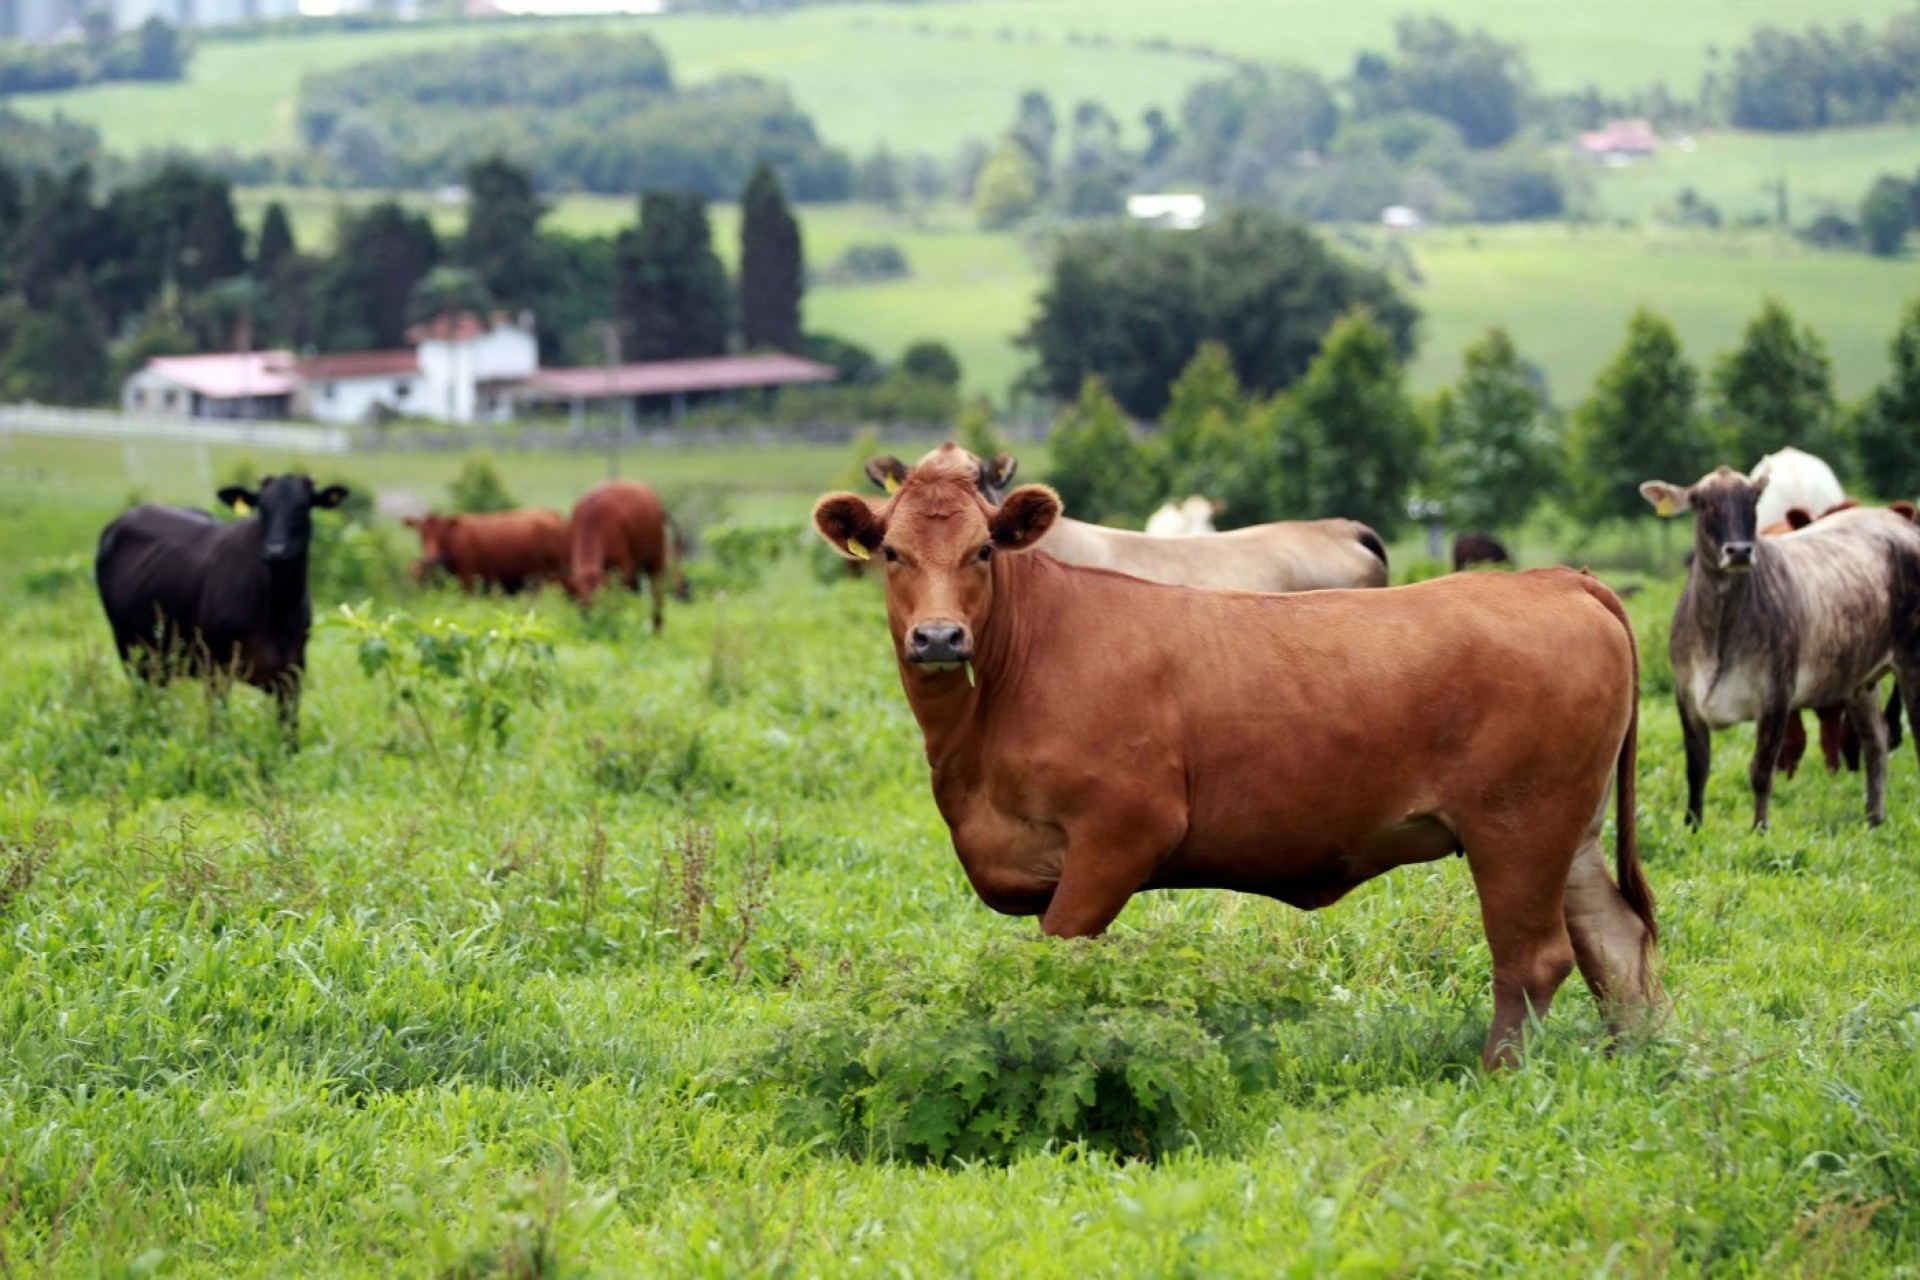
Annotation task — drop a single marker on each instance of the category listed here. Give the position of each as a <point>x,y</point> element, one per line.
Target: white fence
<point>133,428</point>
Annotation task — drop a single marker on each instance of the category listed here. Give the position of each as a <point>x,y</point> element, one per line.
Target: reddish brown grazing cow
<point>1093,735</point>
<point>513,550</point>
<point>619,527</point>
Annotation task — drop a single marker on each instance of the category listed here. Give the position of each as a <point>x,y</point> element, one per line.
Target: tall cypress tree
<point>276,241</point>
<point>670,289</point>
<point>1641,422</point>
<point>503,228</point>
<point>1887,429</point>
<point>1775,389</point>
<point>772,267</point>
<point>59,352</point>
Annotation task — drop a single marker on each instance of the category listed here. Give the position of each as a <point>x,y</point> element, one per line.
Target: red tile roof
<point>360,364</point>
<point>669,377</point>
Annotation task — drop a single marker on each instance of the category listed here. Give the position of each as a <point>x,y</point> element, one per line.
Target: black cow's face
<point>1726,527</point>
<point>284,505</point>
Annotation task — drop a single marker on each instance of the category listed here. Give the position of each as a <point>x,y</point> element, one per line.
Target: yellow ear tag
<point>857,551</point>
<point>891,485</point>
<point>240,506</point>
<point>1665,505</point>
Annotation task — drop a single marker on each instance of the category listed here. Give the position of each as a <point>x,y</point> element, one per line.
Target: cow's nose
<point>278,551</point>
<point>1739,553</point>
<point>939,641</point>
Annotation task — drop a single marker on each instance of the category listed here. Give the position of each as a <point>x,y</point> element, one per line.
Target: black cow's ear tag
<point>240,507</point>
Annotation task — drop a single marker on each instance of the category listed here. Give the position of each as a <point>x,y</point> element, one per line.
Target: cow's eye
<point>890,554</point>
<point>986,551</point>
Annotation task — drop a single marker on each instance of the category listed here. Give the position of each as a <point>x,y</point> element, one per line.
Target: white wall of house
<point>151,392</point>
<point>450,373</point>
<point>349,401</point>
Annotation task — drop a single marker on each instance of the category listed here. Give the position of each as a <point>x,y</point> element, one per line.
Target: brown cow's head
<point>284,505</point>
<point>993,475</point>
<point>937,537</point>
<point>1726,528</point>
<point>435,532</point>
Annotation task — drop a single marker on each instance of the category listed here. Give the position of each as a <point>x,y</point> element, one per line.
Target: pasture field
<point>605,999</point>
<point>927,77</point>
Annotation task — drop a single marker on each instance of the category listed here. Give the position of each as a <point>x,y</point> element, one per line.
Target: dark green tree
<point>1131,306</point>
<point>276,241</point>
<point>1352,443</point>
<point>772,267</point>
<point>361,297</point>
<point>1495,453</point>
<point>161,56</point>
<point>1640,422</point>
<point>174,231</point>
<point>58,234</point>
<point>1099,471</point>
<point>931,361</point>
<point>449,289</point>
<point>670,289</point>
<point>1775,389</point>
<point>1035,129</point>
<point>1470,79</point>
<point>1886,426</point>
<point>59,353</point>
<point>1886,215</point>
<point>1093,180</point>
<point>502,241</point>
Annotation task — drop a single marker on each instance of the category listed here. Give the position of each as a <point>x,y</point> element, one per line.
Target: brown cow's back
<point>513,550</point>
<point>1290,555</point>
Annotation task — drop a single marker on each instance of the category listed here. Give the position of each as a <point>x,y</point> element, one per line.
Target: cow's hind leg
<point>1520,869</point>
<point>1610,940</point>
<point>1870,727</point>
<point>657,588</point>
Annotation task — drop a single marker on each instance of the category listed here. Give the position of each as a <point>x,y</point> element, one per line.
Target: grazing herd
<point>1108,712</point>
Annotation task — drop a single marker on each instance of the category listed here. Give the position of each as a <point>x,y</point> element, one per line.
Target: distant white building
<point>1402,217</point>
<point>462,368</point>
<point>1175,212</point>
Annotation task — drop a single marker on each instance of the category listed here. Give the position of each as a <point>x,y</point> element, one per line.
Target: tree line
<point>1276,433</point>
<point>93,286</point>
<point>151,51</point>
<point>590,111</point>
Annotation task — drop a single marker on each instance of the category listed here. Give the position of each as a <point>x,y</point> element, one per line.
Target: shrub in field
<point>1131,1047</point>
<point>52,575</point>
<point>460,687</point>
<point>738,555</point>
<point>479,489</point>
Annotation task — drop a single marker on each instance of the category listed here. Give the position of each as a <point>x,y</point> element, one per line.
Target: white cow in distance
<point>1180,519</point>
<point>1794,479</point>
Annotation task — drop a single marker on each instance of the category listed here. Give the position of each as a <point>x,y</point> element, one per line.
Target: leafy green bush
<point>52,575</point>
<point>479,489</point>
<point>739,554</point>
<point>460,687</point>
<point>1128,1045</point>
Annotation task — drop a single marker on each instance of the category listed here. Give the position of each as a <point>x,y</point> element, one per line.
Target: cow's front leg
<point>1698,739</point>
<point>1771,732</point>
<point>1105,864</point>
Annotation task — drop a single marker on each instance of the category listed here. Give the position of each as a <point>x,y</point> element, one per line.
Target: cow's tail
<point>1626,853</point>
<point>676,552</point>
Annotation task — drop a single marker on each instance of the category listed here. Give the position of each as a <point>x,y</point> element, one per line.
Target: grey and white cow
<point>1767,626</point>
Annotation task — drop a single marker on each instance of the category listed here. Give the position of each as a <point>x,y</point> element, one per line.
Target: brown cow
<point>513,550</point>
<point>1767,626</point>
<point>1470,549</point>
<point>620,526</point>
<point>1288,555</point>
<point>1092,735</point>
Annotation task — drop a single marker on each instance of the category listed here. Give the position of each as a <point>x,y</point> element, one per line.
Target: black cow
<point>186,593</point>
<point>1470,549</point>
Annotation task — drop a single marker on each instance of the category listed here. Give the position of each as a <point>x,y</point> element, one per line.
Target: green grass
<point>1828,171</point>
<point>928,76</point>
<point>320,1014</point>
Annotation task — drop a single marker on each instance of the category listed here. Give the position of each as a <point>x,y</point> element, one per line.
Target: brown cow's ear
<point>1905,509</point>
<point>1667,499</point>
<point>887,472</point>
<point>331,496</point>
<point>849,525</point>
<point>1000,470</point>
<point>239,497</point>
<point>1799,517</point>
<point>1024,518</point>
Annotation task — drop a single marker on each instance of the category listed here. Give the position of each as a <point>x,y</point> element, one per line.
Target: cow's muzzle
<point>1736,555</point>
<point>939,645</point>
<point>277,553</point>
